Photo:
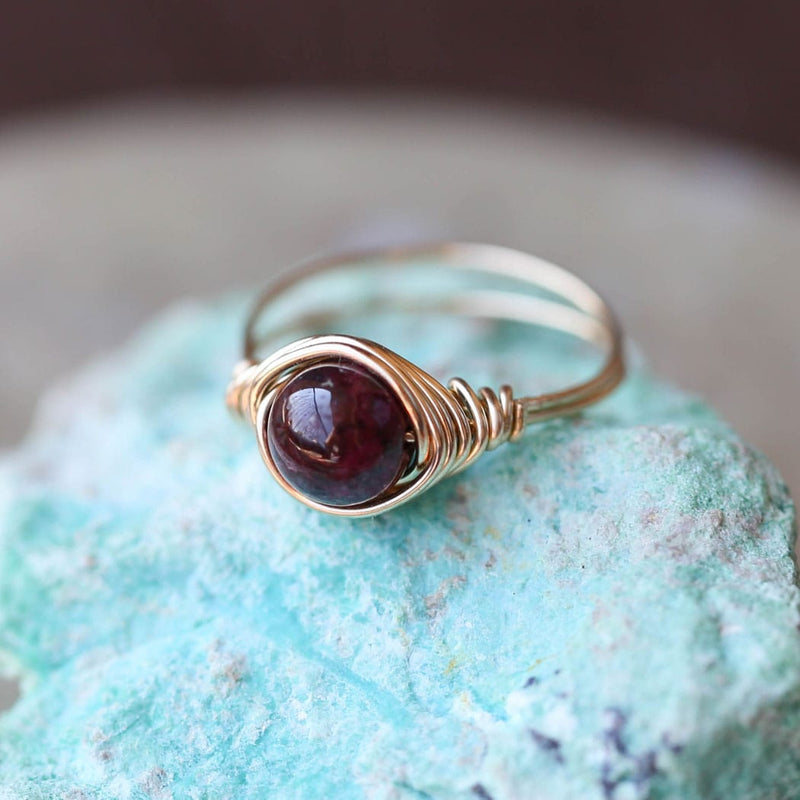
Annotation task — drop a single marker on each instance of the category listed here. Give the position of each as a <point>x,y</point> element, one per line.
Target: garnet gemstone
<point>337,434</point>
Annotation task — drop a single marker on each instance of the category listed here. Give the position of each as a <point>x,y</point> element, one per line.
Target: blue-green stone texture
<point>606,610</point>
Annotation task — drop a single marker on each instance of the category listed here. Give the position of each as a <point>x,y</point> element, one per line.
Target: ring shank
<point>575,309</point>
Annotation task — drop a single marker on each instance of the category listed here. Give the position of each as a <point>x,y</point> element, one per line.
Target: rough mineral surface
<point>607,609</point>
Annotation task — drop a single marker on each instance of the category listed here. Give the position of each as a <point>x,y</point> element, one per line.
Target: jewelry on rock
<point>351,428</point>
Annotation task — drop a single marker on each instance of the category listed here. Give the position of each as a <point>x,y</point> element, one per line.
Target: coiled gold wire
<point>451,426</point>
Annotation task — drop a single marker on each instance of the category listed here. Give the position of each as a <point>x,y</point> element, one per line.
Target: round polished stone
<point>337,434</point>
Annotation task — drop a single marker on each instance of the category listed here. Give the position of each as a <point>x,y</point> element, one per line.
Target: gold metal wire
<point>451,425</point>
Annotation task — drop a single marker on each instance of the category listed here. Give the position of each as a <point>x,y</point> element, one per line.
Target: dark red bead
<point>337,434</point>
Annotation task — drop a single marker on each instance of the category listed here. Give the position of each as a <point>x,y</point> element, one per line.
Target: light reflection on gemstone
<point>311,417</point>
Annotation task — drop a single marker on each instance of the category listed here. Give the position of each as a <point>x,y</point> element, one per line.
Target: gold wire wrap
<point>451,426</point>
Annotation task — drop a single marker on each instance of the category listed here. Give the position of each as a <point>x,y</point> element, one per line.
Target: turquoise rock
<point>607,609</point>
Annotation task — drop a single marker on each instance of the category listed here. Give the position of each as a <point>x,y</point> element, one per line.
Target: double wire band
<point>349,427</point>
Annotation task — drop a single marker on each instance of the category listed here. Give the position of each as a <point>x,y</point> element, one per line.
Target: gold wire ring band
<point>445,427</point>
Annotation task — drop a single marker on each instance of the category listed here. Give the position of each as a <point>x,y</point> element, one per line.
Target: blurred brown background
<point>731,69</point>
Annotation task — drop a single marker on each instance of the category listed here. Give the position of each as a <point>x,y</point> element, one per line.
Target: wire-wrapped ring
<point>432,430</point>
